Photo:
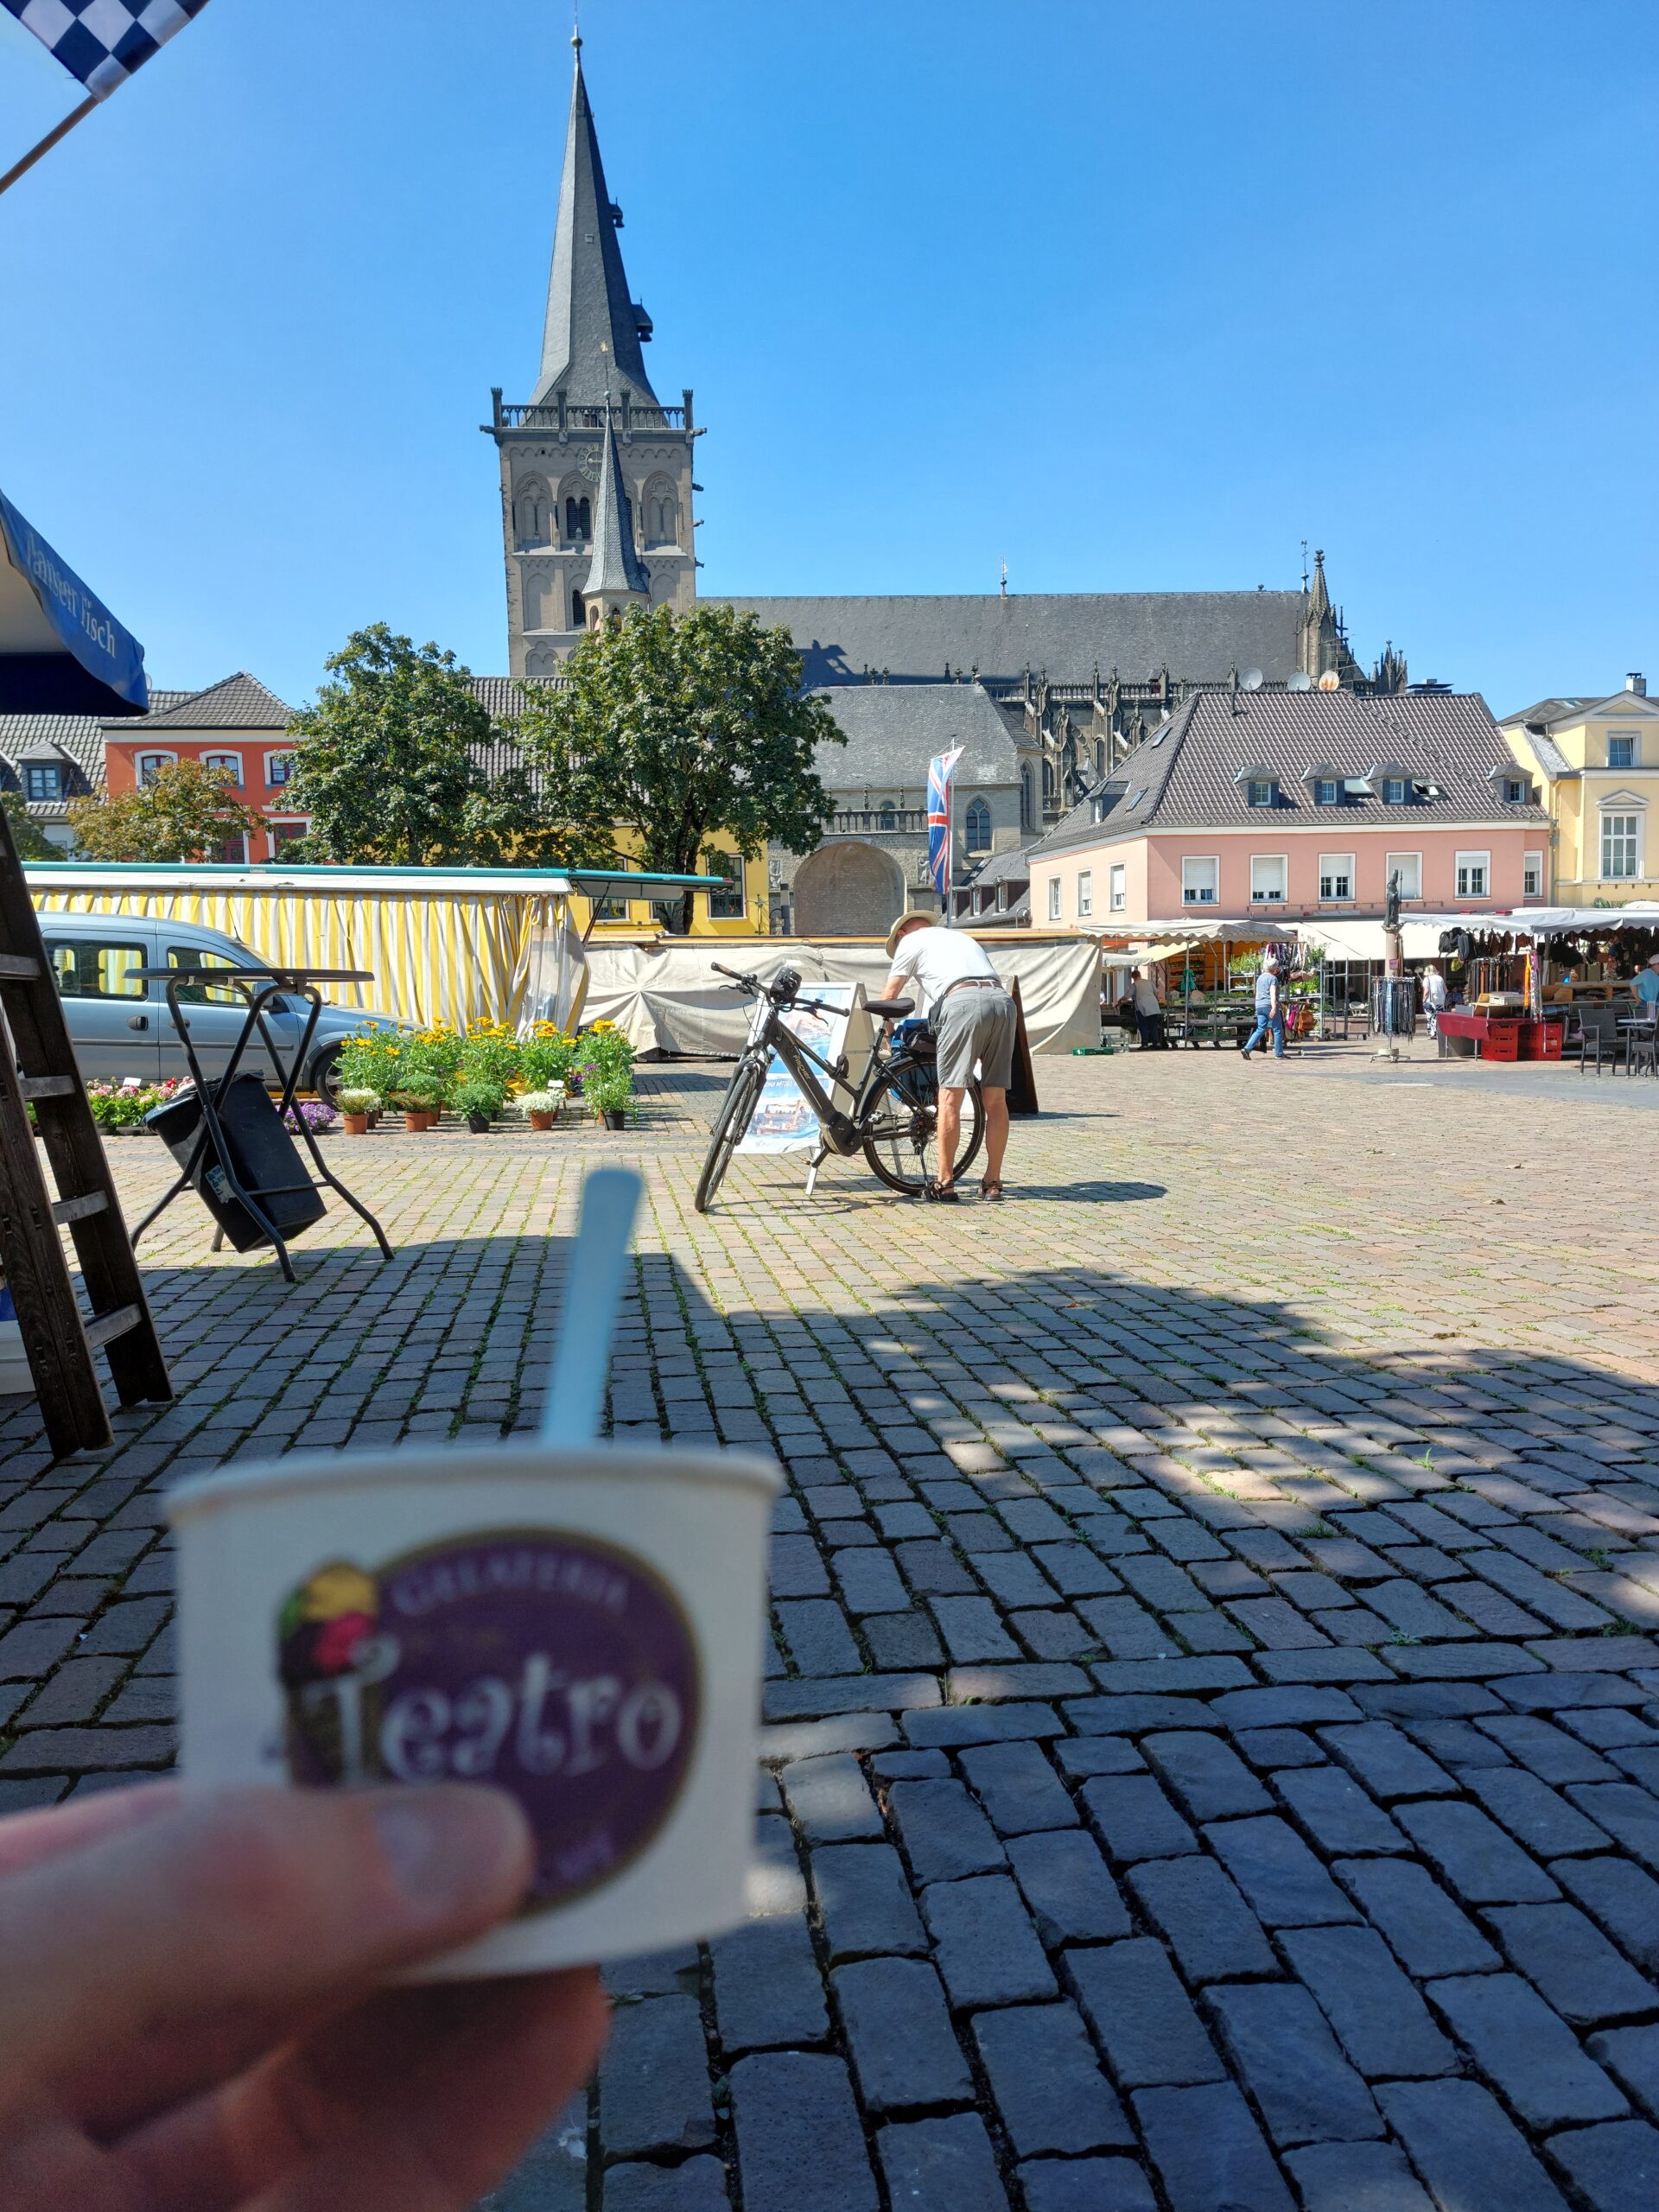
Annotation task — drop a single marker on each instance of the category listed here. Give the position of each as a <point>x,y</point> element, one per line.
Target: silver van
<point>119,1024</point>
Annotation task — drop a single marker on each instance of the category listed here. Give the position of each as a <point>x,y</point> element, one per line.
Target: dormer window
<point>1514,791</point>
<point>1394,791</point>
<point>1263,791</point>
<point>1327,792</point>
<point>1258,783</point>
<point>42,780</point>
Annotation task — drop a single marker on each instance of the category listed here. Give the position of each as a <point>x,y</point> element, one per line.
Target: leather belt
<point>970,983</point>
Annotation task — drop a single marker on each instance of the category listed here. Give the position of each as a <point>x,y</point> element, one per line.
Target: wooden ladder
<point>37,1067</point>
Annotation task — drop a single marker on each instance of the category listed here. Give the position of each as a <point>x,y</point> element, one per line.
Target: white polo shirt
<point>935,958</point>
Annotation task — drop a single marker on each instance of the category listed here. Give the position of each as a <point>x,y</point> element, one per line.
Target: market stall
<point>1532,982</point>
<point>1204,1002</point>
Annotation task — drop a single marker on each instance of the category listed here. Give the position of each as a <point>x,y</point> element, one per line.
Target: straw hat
<point>899,928</point>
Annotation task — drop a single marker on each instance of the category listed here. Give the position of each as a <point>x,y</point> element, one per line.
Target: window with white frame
<point>1326,791</point>
<point>1474,874</point>
<point>1623,749</point>
<point>1336,876</point>
<point>1393,790</point>
<point>1117,886</point>
<point>1085,894</point>
<point>1620,847</point>
<point>1408,867</point>
<point>1200,881</point>
<point>1263,791</point>
<point>1053,898</point>
<point>43,779</point>
<point>279,767</point>
<point>1532,875</point>
<point>1267,878</point>
<point>228,765</point>
<point>726,905</point>
<point>150,764</point>
<point>286,833</point>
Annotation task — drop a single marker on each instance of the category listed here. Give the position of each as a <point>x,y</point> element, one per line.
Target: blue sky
<point>1131,297</point>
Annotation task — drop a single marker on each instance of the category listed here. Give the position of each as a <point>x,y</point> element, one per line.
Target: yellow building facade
<point>1597,761</point>
<point>739,910</point>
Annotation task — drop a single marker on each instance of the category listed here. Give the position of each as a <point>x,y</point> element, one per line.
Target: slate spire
<point>592,325</point>
<point>617,577</point>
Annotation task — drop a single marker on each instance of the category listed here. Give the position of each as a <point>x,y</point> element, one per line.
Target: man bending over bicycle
<point>974,1020</point>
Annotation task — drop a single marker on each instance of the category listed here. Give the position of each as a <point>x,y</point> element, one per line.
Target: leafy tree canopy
<point>679,729</point>
<point>30,840</point>
<point>185,812</point>
<point>385,769</point>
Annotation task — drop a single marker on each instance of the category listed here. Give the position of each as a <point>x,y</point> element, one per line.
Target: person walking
<point>1148,1012</point>
<point>1435,995</point>
<point>1270,1013</point>
<point>974,1021</point>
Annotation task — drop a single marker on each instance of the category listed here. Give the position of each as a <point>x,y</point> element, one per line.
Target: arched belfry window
<point>979,826</point>
<point>578,615</point>
<point>534,511</point>
<point>578,517</point>
<point>662,513</point>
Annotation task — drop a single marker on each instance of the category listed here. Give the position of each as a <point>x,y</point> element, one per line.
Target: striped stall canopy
<point>447,949</point>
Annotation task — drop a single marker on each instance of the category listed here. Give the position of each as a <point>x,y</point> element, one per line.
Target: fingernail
<point>453,1850</point>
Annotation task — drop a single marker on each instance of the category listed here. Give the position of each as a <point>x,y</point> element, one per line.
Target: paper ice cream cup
<point>581,1628</point>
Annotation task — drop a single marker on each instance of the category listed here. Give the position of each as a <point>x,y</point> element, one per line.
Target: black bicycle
<point>891,1115</point>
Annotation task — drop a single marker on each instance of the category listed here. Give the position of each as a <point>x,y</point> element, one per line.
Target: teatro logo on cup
<point>552,1666</point>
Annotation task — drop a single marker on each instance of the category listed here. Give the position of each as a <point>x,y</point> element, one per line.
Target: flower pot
<point>355,1125</point>
<point>374,1119</point>
<point>541,1120</point>
<point>430,1116</point>
<point>615,1117</point>
<point>479,1124</point>
<point>414,1122</point>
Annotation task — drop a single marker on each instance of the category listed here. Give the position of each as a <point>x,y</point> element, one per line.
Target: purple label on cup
<point>551,1666</point>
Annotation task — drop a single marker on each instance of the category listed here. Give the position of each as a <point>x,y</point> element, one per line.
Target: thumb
<point>161,1960</point>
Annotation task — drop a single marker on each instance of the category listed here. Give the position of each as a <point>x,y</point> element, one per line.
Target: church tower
<point>596,472</point>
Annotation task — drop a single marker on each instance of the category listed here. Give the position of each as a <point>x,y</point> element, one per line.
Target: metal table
<point>259,987</point>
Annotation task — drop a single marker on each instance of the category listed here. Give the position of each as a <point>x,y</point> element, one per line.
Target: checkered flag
<point>103,41</point>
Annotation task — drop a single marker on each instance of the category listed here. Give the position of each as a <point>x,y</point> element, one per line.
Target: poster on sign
<point>783,1121</point>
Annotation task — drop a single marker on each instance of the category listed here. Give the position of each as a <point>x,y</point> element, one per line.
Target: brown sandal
<point>989,1189</point>
<point>945,1193</point>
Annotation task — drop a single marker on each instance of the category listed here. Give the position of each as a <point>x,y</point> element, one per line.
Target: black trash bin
<point>268,1165</point>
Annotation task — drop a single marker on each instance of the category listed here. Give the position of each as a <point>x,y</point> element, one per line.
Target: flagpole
<point>35,153</point>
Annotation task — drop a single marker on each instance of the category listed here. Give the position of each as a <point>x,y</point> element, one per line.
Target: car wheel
<point>324,1074</point>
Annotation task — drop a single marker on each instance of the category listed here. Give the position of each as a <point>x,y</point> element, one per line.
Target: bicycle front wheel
<point>736,1109</point>
<point>901,1125</point>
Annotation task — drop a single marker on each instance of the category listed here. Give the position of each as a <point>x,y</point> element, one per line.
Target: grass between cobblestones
<point>1211,1744</point>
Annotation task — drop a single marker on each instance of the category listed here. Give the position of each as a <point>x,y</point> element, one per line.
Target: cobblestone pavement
<point>1212,1732</point>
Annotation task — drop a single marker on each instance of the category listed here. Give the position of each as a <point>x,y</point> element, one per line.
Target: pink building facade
<point>1300,812</point>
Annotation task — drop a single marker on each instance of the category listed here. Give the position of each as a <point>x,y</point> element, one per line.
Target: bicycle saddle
<point>889,1010</point>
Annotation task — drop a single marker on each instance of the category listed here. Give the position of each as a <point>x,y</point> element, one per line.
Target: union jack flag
<point>939,772</point>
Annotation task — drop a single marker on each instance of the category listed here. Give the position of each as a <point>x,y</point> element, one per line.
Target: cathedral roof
<point>894,730</point>
<point>1199,636</point>
<point>587,304</point>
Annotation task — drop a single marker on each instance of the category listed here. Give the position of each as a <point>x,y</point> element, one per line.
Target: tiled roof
<point>1002,867</point>
<point>1184,775</point>
<point>238,701</point>
<point>81,736</point>
<point>1557,714</point>
<point>1199,636</point>
<point>894,729</point>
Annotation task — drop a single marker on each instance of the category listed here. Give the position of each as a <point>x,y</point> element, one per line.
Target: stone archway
<point>848,890</point>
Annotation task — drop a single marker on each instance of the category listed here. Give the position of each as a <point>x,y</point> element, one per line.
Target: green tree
<point>30,840</point>
<point>384,764</point>
<point>185,812</point>
<point>677,730</point>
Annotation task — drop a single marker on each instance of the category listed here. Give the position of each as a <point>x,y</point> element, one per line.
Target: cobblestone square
<point>1210,1753</point>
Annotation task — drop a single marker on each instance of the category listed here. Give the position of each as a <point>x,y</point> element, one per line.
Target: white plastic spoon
<point>593,1291</point>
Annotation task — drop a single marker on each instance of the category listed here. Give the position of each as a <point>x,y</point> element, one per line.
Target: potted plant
<point>542,1106</point>
<point>314,1114</point>
<point>356,1106</point>
<point>419,1109</point>
<point>478,1102</point>
<point>607,1091</point>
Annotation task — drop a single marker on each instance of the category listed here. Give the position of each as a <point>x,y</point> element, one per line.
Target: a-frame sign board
<point>37,1067</point>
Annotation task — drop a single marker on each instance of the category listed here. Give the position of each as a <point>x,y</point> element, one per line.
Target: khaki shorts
<point>975,1025</point>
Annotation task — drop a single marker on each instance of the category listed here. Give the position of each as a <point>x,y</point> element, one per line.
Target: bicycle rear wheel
<point>736,1109</point>
<point>898,1131</point>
